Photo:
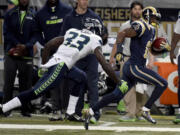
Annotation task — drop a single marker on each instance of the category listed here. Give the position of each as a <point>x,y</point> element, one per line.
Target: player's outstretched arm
<point>51,45</point>
<point>174,41</point>
<point>105,65</point>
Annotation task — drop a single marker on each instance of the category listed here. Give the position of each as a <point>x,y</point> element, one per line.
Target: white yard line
<point>106,124</point>
<point>100,128</point>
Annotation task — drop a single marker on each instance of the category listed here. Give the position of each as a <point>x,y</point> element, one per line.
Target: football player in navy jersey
<point>142,34</point>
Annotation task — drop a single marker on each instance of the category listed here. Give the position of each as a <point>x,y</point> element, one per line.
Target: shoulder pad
<point>139,27</point>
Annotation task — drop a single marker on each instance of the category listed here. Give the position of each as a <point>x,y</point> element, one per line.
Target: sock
<point>91,111</point>
<point>145,109</point>
<point>72,104</point>
<point>178,111</point>
<point>15,102</point>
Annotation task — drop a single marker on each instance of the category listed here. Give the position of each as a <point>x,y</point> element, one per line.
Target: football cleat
<point>140,119</point>
<point>177,120</point>
<point>73,117</point>
<point>146,115</point>
<point>56,116</point>
<point>127,119</point>
<point>93,120</point>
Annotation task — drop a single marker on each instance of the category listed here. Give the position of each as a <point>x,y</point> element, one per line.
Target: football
<point>157,45</point>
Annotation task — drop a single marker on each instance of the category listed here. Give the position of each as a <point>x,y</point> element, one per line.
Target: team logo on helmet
<point>93,25</point>
<point>151,15</point>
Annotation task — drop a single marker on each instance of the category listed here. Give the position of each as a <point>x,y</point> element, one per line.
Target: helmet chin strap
<point>155,25</point>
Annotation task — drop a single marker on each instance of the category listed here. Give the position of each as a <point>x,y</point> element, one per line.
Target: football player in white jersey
<point>75,45</point>
<point>174,42</point>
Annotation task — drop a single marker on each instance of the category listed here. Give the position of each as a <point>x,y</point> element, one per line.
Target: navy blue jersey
<point>75,20</point>
<point>16,32</point>
<point>141,42</point>
<point>49,21</point>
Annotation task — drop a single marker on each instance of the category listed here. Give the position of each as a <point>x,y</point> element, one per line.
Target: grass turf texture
<point>65,132</point>
<point>163,122</point>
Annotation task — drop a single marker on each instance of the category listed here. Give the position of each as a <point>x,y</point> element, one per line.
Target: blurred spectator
<point>19,38</point>
<point>12,3</point>
<point>78,19</point>
<point>49,20</point>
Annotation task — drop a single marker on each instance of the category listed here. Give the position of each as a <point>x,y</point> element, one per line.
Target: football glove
<point>41,72</point>
<point>119,57</point>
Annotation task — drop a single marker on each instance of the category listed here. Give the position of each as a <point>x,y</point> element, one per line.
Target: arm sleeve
<point>9,36</point>
<point>138,27</point>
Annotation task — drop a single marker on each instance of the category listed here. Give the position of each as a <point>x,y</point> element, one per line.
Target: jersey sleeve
<point>177,27</point>
<point>139,27</point>
<point>97,42</point>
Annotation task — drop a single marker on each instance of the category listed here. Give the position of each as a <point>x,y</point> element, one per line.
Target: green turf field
<point>40,125</point>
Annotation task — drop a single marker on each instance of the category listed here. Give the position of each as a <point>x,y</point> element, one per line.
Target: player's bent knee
<point>164,84</point>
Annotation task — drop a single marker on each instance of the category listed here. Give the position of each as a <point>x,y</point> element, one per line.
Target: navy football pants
<point>52,78</point>
<point>133,74</point>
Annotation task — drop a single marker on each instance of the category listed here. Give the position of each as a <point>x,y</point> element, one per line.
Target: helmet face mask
<point>155,21</point>
<point>96,27</point>
<point>152,16</point>
<point>93,25</point>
